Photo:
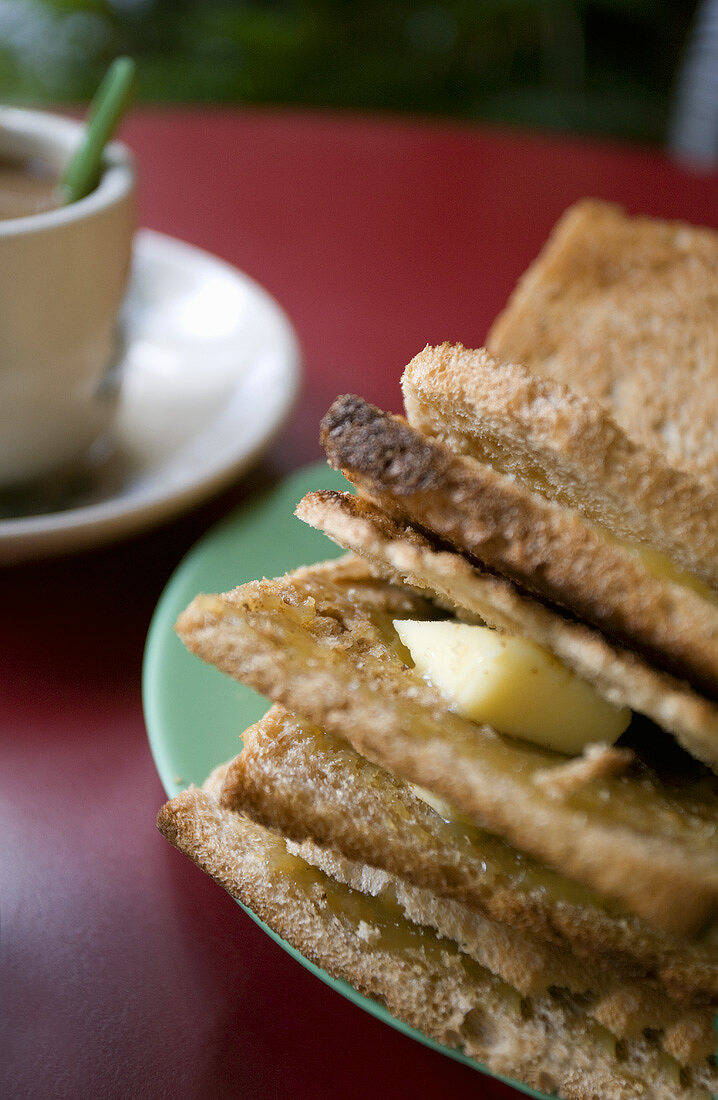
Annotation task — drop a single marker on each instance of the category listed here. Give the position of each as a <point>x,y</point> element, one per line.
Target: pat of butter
<point>511,684</point>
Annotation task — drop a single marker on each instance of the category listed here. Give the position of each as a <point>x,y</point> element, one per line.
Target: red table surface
<point>125,971</point>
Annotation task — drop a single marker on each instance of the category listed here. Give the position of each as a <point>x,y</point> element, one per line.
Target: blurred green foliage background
<point>592,66</point>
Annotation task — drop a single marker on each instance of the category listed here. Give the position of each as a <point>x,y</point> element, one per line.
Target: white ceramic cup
<point>63,275</point>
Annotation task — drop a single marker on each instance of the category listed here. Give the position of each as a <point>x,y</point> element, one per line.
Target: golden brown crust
<point>565,446</point>
<point>527,964</point>
<point>622,309</point>
<point>426,982</point>
<point>295,779</point>
<point>627,1010</point>
<point>542,546</point>
<point>400,553</point>
<point>320,641</point>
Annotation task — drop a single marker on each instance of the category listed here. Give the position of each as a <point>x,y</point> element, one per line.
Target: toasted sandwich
<point>427,980</point>
<point>647,603</point>
<point>508,1000</point>
<point>622,309</point>
<point>322,642</point>
<point>545,900</point>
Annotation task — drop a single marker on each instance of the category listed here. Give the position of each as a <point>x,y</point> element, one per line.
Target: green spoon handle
<point>107,108</point>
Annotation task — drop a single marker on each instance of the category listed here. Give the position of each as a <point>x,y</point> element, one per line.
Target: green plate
<point>262,538</point>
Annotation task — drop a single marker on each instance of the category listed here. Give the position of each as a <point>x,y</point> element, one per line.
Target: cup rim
<point>59,132</point>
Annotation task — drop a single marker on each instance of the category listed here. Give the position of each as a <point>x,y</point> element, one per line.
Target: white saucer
<point>210,371</point>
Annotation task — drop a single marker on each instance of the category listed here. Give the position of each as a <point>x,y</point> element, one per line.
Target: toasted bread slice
<point>541,545</point>
<point>425,981</point>
<point>400,552</point>
<point>527,923</point>
<point>321,642</point>
<point>622,309</point>
<point>295,779</point>
<point>628,1010</point>
<point>566,447</point>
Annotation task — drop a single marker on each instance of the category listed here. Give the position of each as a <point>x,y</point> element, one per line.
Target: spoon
<point>106,110</point>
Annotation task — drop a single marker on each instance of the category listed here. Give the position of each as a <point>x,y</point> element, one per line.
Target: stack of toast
<point>550,911</point>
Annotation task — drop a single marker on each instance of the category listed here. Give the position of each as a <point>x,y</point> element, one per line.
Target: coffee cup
<point>63,275</point>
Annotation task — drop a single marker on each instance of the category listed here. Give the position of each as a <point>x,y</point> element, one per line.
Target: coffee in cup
<point>63,275</point>
<point>27,187</point>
